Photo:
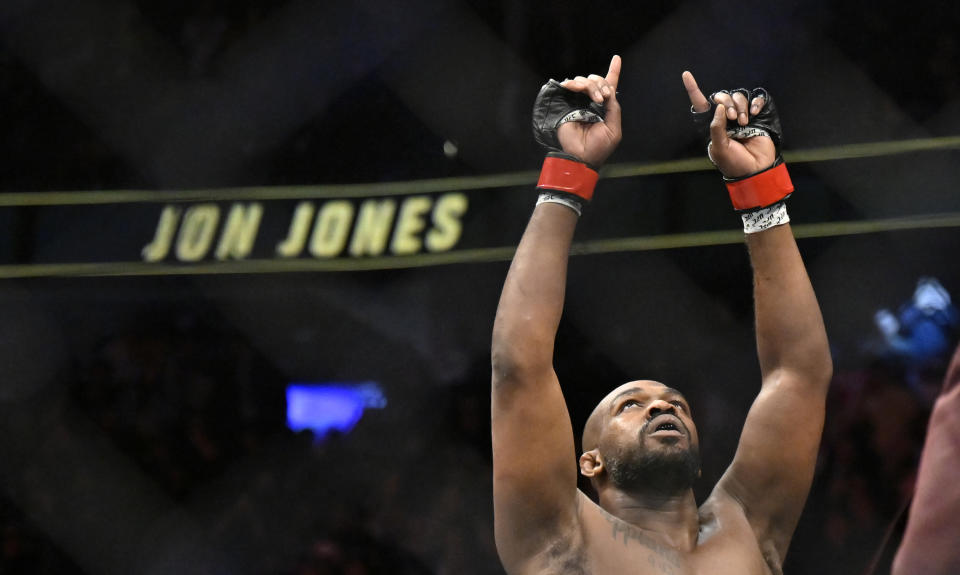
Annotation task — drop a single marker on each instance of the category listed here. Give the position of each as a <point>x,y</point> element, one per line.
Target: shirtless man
<point>641,444</point>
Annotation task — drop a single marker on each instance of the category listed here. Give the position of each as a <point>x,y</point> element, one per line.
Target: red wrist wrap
<point>760,190</point>
<point>568,176</point>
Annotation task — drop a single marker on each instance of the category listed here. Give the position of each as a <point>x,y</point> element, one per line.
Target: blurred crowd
<point>201,414</point>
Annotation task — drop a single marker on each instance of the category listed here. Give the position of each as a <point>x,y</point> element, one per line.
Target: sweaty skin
<point>643,525</point>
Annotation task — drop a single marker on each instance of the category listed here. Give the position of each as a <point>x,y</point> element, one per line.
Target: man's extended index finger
<point>697,99</point>
<point>613,74</point>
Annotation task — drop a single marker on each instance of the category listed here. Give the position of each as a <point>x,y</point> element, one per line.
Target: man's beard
<point>673,471</point>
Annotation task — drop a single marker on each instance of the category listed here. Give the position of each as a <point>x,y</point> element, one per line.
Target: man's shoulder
<point>559,550</point>
<point>721,501</point>
<point>724,524</point>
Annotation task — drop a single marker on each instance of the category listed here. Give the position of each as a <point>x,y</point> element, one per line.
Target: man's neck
<point>671,519</point>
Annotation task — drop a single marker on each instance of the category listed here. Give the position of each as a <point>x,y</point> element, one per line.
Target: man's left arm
<point>773,468</point>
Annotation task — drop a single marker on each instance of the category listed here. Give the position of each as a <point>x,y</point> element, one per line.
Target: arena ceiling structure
<point>119,113</point>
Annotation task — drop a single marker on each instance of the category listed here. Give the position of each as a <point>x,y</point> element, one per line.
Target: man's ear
<point>591,463</point>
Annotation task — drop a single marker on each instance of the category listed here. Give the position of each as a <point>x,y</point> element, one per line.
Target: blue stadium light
<point>330,406</point>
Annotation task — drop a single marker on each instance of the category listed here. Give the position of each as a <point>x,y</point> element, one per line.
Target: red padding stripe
<point>568,176</point>
<point>761,190</point>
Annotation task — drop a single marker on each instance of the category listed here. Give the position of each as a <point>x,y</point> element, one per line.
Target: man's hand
<point>734,158</point>
<point>594,142</point>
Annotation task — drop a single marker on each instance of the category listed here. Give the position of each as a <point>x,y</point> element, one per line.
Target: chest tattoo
<point>664,559</point>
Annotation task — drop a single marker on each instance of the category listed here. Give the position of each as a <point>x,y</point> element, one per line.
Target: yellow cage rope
<point>380,189</point>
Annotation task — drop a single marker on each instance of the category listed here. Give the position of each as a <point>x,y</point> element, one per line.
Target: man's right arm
<point>534,463</point>
<point>534,477</point>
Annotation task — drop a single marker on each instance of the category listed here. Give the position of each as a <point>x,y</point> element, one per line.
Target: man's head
<point>641,437</point>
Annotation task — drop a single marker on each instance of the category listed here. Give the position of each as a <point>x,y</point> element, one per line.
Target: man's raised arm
<point>773,467</point>
<point>535,482</point>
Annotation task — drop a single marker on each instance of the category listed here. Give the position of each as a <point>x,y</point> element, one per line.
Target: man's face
<point>649,438</point>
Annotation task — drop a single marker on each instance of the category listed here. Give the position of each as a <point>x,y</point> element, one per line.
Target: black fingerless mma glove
<point>759,196</point>
<point>564,178</point>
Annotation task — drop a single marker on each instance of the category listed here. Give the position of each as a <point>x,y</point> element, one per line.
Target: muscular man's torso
<point>606,545</point>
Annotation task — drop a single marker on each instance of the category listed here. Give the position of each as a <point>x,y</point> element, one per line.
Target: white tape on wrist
<point>746,132</point>
<point>585,116</point>
<point>765,218</point>
<point>565,200</point>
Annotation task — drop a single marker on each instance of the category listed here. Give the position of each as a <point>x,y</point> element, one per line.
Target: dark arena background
<point>251,253</point>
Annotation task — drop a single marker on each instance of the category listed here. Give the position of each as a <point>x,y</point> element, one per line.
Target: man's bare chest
<point>625,549</point>
<point>607,545</point>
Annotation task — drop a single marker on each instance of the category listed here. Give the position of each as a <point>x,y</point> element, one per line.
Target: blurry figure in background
<point>922,328</point>
<point>641,449</point>
<point>931,544</point>
<point>919,336</point>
